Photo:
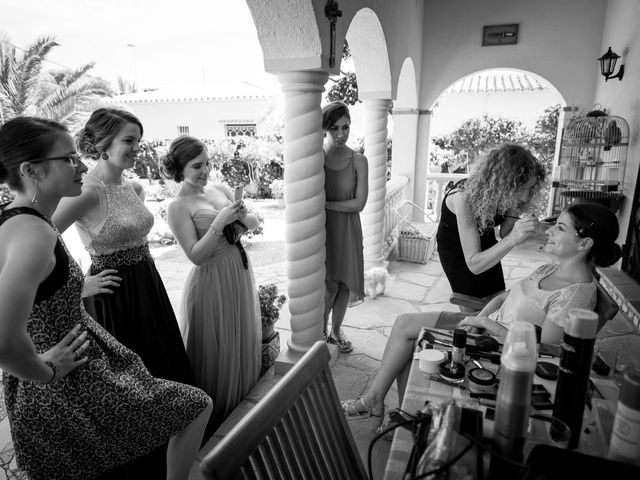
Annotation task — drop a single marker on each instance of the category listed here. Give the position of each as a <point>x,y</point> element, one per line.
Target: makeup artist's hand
<point>525,227</point>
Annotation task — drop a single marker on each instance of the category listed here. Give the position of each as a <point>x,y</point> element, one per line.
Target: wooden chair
<point>606,307</point>
<point>297,431</point>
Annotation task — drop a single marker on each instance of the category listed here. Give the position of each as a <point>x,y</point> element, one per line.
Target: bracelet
<point>214,231</point>
<point>53,369</point>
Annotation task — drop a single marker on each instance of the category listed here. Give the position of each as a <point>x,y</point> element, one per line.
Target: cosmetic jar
<point>482,380</point>
<point>430,360</point>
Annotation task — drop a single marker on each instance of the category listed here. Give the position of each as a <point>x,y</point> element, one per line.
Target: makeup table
<point>421,389</point>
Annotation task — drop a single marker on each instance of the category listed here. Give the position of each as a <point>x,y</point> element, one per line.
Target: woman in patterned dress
<point>79,402</point>
<point>220,314</point>
<point>346,187</point>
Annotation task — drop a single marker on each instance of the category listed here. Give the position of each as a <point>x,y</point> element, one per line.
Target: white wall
<point>622,97</point>
<point>558,40</point>
<point>205,118</point>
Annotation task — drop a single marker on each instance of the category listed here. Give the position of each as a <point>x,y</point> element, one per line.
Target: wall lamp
<point>608,65</point>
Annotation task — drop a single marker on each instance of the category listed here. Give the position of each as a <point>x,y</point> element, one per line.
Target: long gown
<point>220,323</point>
<point>102,414</point>
<point>138,312</point>
<point>344,256</point>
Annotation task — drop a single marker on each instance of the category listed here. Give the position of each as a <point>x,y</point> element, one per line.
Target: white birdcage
<point>416,236</point>
<point>592,161</point>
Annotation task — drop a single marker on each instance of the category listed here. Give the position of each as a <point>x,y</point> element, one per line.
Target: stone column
<point>375,149</point>
<point>422,159</point>
<point>304,200</point>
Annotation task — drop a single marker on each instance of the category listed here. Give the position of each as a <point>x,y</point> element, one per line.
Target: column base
<point>287,358</point>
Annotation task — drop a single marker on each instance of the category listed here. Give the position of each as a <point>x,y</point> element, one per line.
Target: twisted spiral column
<point>304,200</point>
<point>375,148</point>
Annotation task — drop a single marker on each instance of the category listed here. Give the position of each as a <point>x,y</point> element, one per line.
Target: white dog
<point>375,281</point>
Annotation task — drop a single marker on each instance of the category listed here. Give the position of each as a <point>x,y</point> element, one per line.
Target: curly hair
<point>495,184</point>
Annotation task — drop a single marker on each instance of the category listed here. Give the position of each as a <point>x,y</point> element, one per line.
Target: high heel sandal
<point>358,407</point>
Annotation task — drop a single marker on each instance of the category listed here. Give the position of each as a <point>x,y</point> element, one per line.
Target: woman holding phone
<point>220,314</point>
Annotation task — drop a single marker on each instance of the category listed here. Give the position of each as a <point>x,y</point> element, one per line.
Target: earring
<point>34,199</point>
<point>104,156</point>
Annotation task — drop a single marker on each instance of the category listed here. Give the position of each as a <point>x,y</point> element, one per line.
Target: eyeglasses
<point>74,159</point>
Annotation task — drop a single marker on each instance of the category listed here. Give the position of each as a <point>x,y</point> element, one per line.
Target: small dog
<point>375,281</point>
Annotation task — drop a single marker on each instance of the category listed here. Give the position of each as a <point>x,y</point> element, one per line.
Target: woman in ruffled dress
<point>80,404</point>
<point>220,313</point>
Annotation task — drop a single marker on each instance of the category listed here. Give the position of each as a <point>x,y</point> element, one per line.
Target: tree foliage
<point>63,95</point>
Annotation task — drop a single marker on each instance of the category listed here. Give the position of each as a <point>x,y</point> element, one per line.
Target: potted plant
<point>270,305</point>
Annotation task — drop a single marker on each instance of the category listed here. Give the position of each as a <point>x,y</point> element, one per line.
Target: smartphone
<point>237,193</point>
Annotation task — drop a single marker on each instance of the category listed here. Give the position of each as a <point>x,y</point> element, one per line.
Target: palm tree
<point>66,95</point>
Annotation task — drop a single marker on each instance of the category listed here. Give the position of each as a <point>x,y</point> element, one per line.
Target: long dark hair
<point>23,139</point>
<point>101,128</point>
<point>601,225</point>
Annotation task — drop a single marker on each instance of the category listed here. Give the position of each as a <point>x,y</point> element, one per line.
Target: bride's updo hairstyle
<point>601,225</point>
<point>100,130</point>
<point>181,151</point>
<point>23,139</point>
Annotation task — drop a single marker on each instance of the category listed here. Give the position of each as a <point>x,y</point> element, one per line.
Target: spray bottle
<point>517,367</point>
<point>573,376</point>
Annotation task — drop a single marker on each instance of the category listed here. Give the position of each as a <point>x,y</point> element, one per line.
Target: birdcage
<point>592,161</point>
<point>416,236</point>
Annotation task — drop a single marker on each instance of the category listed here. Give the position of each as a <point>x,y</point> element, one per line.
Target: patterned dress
<point>103,413</point>
<point>344,261</point>
<point>220,323</point>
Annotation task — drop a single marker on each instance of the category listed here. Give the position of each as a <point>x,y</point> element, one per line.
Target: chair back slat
<point>297,431</point>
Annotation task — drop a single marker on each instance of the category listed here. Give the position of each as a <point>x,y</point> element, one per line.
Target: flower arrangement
<point>270,304</point>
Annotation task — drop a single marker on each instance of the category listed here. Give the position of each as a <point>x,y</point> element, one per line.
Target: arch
<point>407,94</point>
<point>288,34</point>
<point>370,55</point>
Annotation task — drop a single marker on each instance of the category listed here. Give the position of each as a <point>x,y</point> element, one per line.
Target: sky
<point>155,43</point>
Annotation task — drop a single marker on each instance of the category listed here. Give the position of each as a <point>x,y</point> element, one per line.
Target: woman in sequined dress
<point>80,404</point>
<point>220,314</point>
<point>113,223</point>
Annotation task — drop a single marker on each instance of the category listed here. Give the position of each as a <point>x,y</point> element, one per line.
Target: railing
<point>396,192</point>
<point>436,185</point>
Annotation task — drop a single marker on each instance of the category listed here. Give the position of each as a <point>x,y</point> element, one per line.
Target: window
<point>240,129</point>
<point>183,129</point>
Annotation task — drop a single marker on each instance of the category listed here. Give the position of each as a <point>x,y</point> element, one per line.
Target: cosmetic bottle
<point>625,437</point>
<point>573,374</point>
<point>517,367</point>
<point>459,346</point>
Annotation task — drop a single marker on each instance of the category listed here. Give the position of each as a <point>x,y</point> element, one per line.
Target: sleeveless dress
<point>461,279</point>
<point>138,312</point>
<point>344,257</point>
<point>102,414</point>
<point>220,323</point>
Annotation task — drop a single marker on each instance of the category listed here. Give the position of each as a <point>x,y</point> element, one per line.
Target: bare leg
<point>339,309</point>
<point>398,354</point>
<point>331,290</point>
<point>183,446</point>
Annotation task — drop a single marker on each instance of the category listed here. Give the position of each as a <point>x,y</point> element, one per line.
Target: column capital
<point>303,81</point>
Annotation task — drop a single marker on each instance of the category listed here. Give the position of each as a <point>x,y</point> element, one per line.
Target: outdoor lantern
<point>608,65</point>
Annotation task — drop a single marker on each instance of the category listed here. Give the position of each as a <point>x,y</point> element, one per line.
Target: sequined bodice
<point>127,221</point>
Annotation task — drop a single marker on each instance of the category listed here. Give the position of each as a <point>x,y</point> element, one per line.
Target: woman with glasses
<point>220,314</point>
<point>80,404</point>
<point>112,221</point>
